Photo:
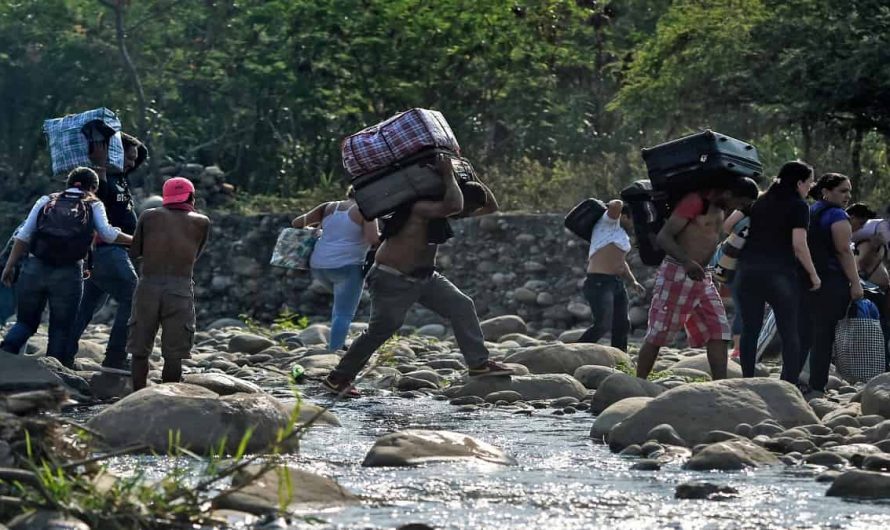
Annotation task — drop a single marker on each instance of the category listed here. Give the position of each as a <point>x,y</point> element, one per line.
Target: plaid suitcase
<point>68,145</point>
<point>699,161</point>
<point>399,137</point>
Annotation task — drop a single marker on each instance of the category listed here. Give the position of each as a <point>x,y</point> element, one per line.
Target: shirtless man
<point>404,273</point>
<point>168,240</point>
<point>606,267</point>
<point>684,294</point>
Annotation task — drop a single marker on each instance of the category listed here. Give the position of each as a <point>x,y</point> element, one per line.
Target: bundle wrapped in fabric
<point>294,247</point>
<point>68,146</point>
<point>397,138</point>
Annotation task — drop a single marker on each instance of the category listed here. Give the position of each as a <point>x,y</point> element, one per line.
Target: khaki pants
<point>167,302</point>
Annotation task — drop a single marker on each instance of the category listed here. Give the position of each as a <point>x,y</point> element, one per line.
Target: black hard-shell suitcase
<point>649,209</point>
<point>699,161</point>
<point>381,193</point>
<point>584,216</point>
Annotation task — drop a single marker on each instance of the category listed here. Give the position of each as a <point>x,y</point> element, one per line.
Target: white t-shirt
<point>608,231</point>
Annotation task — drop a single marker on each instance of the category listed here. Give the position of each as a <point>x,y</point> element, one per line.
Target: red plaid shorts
<point>678,301</point>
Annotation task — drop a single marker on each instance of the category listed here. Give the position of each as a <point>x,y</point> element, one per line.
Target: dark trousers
<point>40,284</point>
<point>391,297</point>
<point>780,290</point>
<point>112,276</point>
<point>608,303</point>
<point>820,312</point>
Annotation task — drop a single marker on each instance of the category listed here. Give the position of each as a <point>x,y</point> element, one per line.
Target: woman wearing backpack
<point>338,258</point>
<point>58,234</point>
<point>768,273</point>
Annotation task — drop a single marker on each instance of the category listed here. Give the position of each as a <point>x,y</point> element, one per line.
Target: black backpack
<point>584,216</point>
<point>64,231</point>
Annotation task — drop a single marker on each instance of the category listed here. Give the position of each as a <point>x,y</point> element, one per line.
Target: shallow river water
<point>563,479</point>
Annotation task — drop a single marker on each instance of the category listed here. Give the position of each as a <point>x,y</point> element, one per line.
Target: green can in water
<point>297,372</point>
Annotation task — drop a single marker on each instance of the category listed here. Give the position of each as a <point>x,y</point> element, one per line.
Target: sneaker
<point>341,389</point>
<point>490,368</point>
<point>117,368</point>
<point>736,355</point>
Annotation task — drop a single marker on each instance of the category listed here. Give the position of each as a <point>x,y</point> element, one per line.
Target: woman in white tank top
<point>338,257</point>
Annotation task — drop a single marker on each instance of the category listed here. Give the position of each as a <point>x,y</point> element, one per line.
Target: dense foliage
<point>551,98</point>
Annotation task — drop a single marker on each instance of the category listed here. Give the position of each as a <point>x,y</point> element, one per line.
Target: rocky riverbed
<point>571,441</point>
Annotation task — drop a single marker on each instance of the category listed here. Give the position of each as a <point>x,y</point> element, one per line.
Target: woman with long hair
<point>768,272</point>
<point>829,239</point>
<point>338,258</point>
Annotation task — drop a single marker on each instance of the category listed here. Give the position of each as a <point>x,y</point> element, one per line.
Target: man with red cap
<point>168,241</point>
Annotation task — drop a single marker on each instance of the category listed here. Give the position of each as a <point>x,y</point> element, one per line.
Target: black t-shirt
<point>769,244</point>
<point>115,195</point>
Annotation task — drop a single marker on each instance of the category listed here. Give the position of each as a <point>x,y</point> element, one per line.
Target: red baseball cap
<point>177,190</point>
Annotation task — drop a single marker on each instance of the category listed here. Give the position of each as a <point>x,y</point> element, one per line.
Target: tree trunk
<point>856,158</point>
<point>806,133</point>
<point>144,133</point>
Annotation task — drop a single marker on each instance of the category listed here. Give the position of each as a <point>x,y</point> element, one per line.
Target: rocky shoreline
<point>238,382</point>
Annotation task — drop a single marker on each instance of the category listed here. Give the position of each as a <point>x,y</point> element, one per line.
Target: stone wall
<point>522,264</point>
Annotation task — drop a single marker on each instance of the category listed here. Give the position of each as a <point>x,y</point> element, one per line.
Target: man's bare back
<point>169,241</point>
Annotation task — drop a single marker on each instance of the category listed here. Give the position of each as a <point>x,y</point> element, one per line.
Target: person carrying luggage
<point>777,242</point>
<point>684,294</point>
<point>168,241</point>
<point>58,233</point>
<point>113,275</point>
<point>404,272</point>
<point>338,258</point>
<point>607,270</point>
<point>829,238</point>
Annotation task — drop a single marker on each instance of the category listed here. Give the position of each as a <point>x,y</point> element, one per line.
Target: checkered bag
<point>68,146</point>
<point>401,136</point>
<point>294,248</point>
<point>859,344</point>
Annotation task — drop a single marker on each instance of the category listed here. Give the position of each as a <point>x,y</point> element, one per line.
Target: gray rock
<point>704,490</point>
<point>494,328</point>
<point>861,484</point>
<point>468,400</point>
<point>700,363</point>
<point>509,396</point>
<point>733,455</point>
<point>416,447</point>
<point>67,376</point>
<point>591,375</point>
<point>562,358</point>
<point>666,435</point>
<point>107,386</point>
<point>876,396</point>
<point>571,335</point>
<point>249,343</point>
<point>620,386</point>
<point>200,417</point>
<point>19,373</point>
<point>411,383</point>
<point>530,387</point>
<point>646,464</point>
<point>315,335</point>
<point>261,494</point>
<point>432,330</point>
<point>695,410</point>
<point>222,384</point>
<point>46,520</point>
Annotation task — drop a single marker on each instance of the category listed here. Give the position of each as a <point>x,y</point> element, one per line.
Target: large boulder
<point>261,493</point>
<point>222,384</point>
<point>700,363</point>
<point>591,375</point>
<point>19,373</point>
<point>197,417</point>
<point>615,414</point>
<point>495,328</point>
<point>249,343</point>
<point>732,455</point>
<point>696,409</point>
<point>530,387</point>
<point>861,484</point>
<point>559,358</point>
<point>876,396</point>
<point>315,335</point>
<point>414,447</point>
<point>622,386</point>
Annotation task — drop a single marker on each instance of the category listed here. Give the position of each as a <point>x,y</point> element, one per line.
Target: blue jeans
<point>39,284</point>
<point>346,283</point>
<point>7,303</point>
<point>113,276</point>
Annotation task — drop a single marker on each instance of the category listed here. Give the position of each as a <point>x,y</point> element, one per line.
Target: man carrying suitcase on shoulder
<point>684,295</point>
<point>404,273</point>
